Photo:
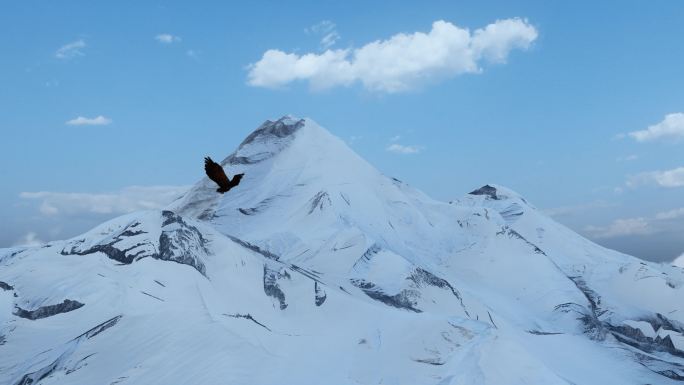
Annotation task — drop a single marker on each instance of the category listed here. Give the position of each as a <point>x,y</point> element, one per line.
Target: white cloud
<point>83,121</point>
<point>126,200</point>
<point>167,38</point>
<point>402,149</point>
<point>670,214</point>
<point>71,50</point>
<point>621,227</point>
<point>672,127</point>
<point>661,222</point>
<point>667,178</point>
<point>29,240</point>
<point>327,30</point>
<point>400,63</point>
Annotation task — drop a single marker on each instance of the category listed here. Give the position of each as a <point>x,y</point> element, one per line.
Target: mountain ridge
<point>321,267</point>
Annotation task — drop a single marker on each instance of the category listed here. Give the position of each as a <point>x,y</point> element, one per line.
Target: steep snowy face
<point>304,188</point>
<point>318,268</point>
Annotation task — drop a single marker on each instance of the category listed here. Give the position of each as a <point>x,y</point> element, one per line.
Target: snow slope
<point>319,269</point>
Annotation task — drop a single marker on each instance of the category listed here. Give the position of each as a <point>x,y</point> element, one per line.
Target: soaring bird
<point>215,172</point>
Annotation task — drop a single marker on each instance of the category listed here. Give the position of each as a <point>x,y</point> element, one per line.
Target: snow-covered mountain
<point>318,269</point>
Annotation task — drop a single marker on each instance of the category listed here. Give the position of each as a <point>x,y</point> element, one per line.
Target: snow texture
<point>319,269</point>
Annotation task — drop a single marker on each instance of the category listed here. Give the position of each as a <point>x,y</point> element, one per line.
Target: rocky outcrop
<point>178,242</point>
<point>48,311</point>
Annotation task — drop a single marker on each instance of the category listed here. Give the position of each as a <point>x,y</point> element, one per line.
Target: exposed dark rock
<point>259,207</point>
<point>254,248</point>
<point>429,361</point>
<point>593,326</point>
<point>249,317</point>
<point>182,244</point>
<point>268,131</point>
<point>345,198</point>
<point>6,286</point>
<point>101,327</point>
<point>319,201</point>
<point>307,273</point>
<point>598,329</point>
<point>279,129</point>
<point>405,299</point>
<point>487,190</point>
<point>320,294</point>
<point>668,369</point>
<point>423,277</point>
<point>514,234</point>
<point>542,333</point>
<point>79,364</point>
<point>179,242</point>
<point>150,295</point>
<point>38,375</point>
<point>48,311</point>
<point>271,287</point>
<point>660,321</point>
<point>368,254</point>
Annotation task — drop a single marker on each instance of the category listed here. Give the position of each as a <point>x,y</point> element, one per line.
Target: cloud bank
<point>668,178</point>
<point>400,63</point>
<point>29,240</point>
<point>126,200</point>
<point>662,221</point>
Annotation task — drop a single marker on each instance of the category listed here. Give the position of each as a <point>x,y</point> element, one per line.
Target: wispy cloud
<point>660,222</point>
<point>400,63</point>
<point>627,158</point>
<point>71,50</point>
<point>404,150</point>
<point>621,227</point>
<point>167,38</point>
<point>126,200</point>
<point>326,29</point>
<point>83,121</point>
<point>29,240</point>
<point>667,178</point>
<point>670,128</point>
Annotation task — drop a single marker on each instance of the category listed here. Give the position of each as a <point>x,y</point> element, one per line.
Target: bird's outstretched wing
<point>235,181</point>
<point>215,172</point>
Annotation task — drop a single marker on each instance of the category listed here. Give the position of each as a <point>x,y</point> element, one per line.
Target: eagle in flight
<point>215,172</point>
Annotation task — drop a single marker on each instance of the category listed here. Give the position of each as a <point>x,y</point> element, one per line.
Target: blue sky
<point>111,106</point>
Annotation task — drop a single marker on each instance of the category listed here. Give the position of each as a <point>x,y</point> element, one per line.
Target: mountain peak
<point>281,128</point>
<point>267,140</point>
<point>317,251</point>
